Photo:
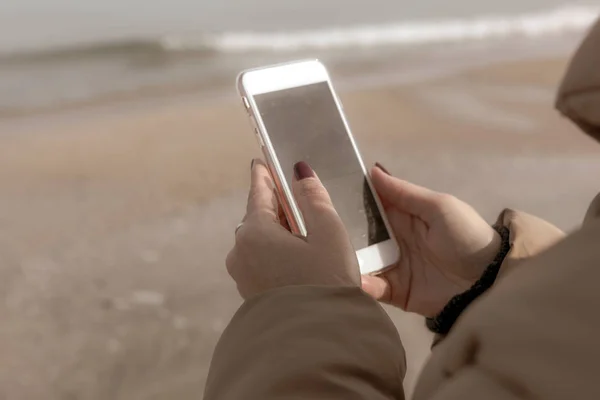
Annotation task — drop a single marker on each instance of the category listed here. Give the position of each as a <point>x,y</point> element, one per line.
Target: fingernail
<point>381,167</point>
<point>252,165</point>
<point>302,170</point>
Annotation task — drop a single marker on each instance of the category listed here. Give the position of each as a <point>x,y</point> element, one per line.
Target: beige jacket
<point>533,335</point>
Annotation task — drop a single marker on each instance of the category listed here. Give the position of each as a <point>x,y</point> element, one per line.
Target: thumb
<point>377,287</point>
<point>320,217</point>
<point>402,195</point>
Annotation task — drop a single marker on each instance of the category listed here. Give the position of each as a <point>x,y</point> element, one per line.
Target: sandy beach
<point>114,226</point>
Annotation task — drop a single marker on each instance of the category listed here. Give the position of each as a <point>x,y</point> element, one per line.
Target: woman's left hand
<point>267,256</point>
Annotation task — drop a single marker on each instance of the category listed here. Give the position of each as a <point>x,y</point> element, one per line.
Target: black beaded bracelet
<point>442,323</point>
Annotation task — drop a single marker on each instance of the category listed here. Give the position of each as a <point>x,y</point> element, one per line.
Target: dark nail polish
<point>302,171</point>
<point>252,165</point>
<point>381,167</point>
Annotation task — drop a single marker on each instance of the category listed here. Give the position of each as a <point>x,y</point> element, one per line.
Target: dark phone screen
<point>304,124</point>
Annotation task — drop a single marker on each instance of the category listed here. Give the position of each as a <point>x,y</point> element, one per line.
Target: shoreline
<point>376,68</point>
<point>482,110</point>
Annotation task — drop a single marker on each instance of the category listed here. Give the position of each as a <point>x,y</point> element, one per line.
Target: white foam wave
<point>564,19</point>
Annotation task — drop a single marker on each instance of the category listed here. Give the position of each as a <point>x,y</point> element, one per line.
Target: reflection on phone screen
<point>304,124</point>
<point>377,231</point>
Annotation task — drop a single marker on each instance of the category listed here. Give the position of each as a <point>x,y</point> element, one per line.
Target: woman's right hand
<point>268,256</point>
<point>445,246</point>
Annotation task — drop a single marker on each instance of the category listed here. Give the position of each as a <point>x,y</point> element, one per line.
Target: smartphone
<point>297,116</point>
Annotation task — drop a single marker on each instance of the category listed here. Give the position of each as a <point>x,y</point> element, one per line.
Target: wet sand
<point>114,227</point>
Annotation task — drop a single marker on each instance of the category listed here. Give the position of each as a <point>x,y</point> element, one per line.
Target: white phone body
<point>269,95</point>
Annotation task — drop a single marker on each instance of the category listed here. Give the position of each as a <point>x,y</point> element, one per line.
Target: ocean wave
<point>564,19</point>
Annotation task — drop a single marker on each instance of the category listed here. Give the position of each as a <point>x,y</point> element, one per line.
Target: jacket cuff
<point>528,236</point>
<point>442,323</point>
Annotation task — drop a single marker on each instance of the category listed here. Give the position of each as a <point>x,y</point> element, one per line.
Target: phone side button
<point>246,104</point>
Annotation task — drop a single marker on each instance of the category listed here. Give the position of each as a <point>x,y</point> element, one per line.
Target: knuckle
<point>230,262</point>
<point>244,241</point>
<point>310,188</point>
<point>249,237</point>
<point>449,203</point>
<point>316,195</point>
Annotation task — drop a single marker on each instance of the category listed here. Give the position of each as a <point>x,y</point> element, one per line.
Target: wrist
<point>485,256</point>
<point>494,247</point>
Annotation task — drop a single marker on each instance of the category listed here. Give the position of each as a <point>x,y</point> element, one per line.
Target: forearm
<point>308,342</point>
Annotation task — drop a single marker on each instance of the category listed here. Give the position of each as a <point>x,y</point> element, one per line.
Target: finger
<point>377,287</point>
<point>262,200</point>
<point>403,195</point>
<point>386,204</point>
<point>320,217</point>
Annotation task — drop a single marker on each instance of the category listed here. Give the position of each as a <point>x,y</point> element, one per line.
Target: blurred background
<point>125,153</point>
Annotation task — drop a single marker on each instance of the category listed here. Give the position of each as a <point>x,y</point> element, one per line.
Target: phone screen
<point>304,124</point>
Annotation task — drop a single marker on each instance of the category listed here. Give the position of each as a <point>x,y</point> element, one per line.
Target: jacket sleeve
<point>579,94</point>
<point>308,342</point>
<point>532,335</point>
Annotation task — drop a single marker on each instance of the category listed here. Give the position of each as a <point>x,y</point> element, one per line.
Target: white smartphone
<point>298,117</point>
